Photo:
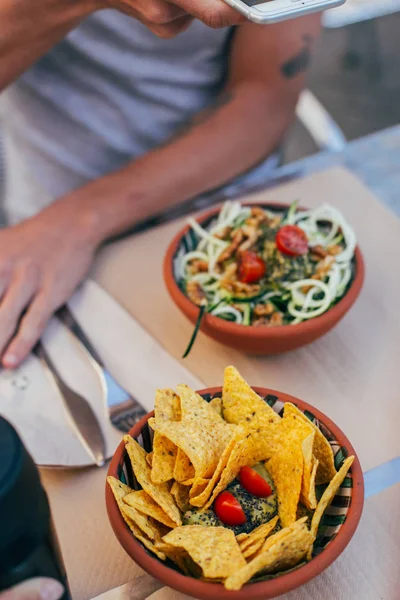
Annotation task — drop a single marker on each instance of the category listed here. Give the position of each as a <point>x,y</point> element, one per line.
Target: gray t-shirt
<point>108,93</point>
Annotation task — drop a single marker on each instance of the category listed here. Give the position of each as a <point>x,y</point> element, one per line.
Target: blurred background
<point>355,73</point>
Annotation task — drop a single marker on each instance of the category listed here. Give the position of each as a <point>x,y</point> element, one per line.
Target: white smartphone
<point>272,11</point>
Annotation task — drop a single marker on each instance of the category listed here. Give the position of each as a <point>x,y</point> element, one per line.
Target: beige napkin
<point>30,400</point>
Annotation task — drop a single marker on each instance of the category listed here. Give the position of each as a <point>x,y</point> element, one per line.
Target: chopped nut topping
<point>334,250</point>
<point>276,319</point>
<point>318,252</point>
<point>264,310</point>
<point>196,293</point>
<point>224,233</point>
<point>198,266</point>
<point>231,249</point>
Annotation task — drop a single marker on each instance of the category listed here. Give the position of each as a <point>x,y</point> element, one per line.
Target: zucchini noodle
<point>313,284</point>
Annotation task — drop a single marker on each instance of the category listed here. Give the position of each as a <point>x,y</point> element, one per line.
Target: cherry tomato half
<point>251,267</point>
<point>292,240</point>
<point>229,510</point>
<point>254,483</point>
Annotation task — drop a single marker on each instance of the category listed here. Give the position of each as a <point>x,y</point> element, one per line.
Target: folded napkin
<point>31,401</point>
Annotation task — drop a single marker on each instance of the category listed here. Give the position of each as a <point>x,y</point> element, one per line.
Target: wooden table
<point>352,374</point>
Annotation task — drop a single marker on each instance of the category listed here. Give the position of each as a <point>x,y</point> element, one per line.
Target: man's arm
<point>43,259</point>
<point>247,123</point>
<point>28,29</point>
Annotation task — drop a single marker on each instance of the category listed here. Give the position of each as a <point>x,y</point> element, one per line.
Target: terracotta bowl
<point>258,340</point>
<point>336,530</point>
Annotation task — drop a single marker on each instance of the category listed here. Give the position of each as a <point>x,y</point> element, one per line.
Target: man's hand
<point>42,261</point>
<point>40,588</point>
<point>167,19</point>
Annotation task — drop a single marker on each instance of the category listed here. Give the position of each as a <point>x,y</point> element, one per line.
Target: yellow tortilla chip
<point>178,556</point>
<point>286,470</point>
<point>329,494</point>
<point>184,470</point>
<point>131,515</point>
<point>241,455</point>
<point>199,485</point>
<point>181,495</point>
<point>312,499</point>
<point>145,541</point>
<point>146,505</point>
<point>241,537</point>
<point>252,549</point>
<point>250,443</point>
<point>282,551</point>
<point>158,491</point>
<point>216,404</point>
<point>260,533</point>
<point>213,549</point>
<point>149,459</point>
<point>322,449</point>
<point>167,408</point>
<point>164,457</point>
<point>203,497</point>
<point>201,434</point>
<point>240,402</point>
<point>307,496</point>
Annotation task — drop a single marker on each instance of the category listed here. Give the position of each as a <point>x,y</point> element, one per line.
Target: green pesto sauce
<point>257,510</point>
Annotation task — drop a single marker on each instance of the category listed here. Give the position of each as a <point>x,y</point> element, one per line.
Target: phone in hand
<point>272,11</point>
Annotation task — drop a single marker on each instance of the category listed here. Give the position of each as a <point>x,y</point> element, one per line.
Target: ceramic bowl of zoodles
<point>265,278</point>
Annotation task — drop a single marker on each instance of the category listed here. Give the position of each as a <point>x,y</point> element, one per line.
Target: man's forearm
<point>221,143</point>
<point>29,29</point>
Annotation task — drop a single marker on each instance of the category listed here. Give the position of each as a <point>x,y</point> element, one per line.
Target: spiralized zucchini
<point>297,301</point>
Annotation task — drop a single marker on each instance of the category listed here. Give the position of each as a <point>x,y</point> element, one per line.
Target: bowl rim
<point>218,324</point>
<point>254,591</point>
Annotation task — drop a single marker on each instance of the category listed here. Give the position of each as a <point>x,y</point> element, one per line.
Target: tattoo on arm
<point>300,62</point>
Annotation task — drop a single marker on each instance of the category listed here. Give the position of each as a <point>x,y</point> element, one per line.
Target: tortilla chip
<point>146,542</point>
<point>312,499</point>
<point>167,408</point>
<point>322,449</point>
<point>293,425</point>
<point>184,470</point>
<point>240,402</point>
<point>307,495</point>
<point>286,470</point>
<point>281,551</point>
<point>178,556</point>
<point>149,459</point>
<point>129,514</point>
<point>198,487</point>
<point>164,457</point>
<point>214,549</point>
<point>216,404</point>
<point>250,443</point>
<point>203,497</point>
<point>181,495</point>
<point>329,494</point>
<point>158,491</point>
<point>146,505</point>
<point>201,434</point>
<point>241,537</point>
<point>259,534</point>
<point>252,549</point>
<point>242,454</point>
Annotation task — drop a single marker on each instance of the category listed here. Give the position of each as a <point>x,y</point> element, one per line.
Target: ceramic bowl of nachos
<point>234,492</point>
